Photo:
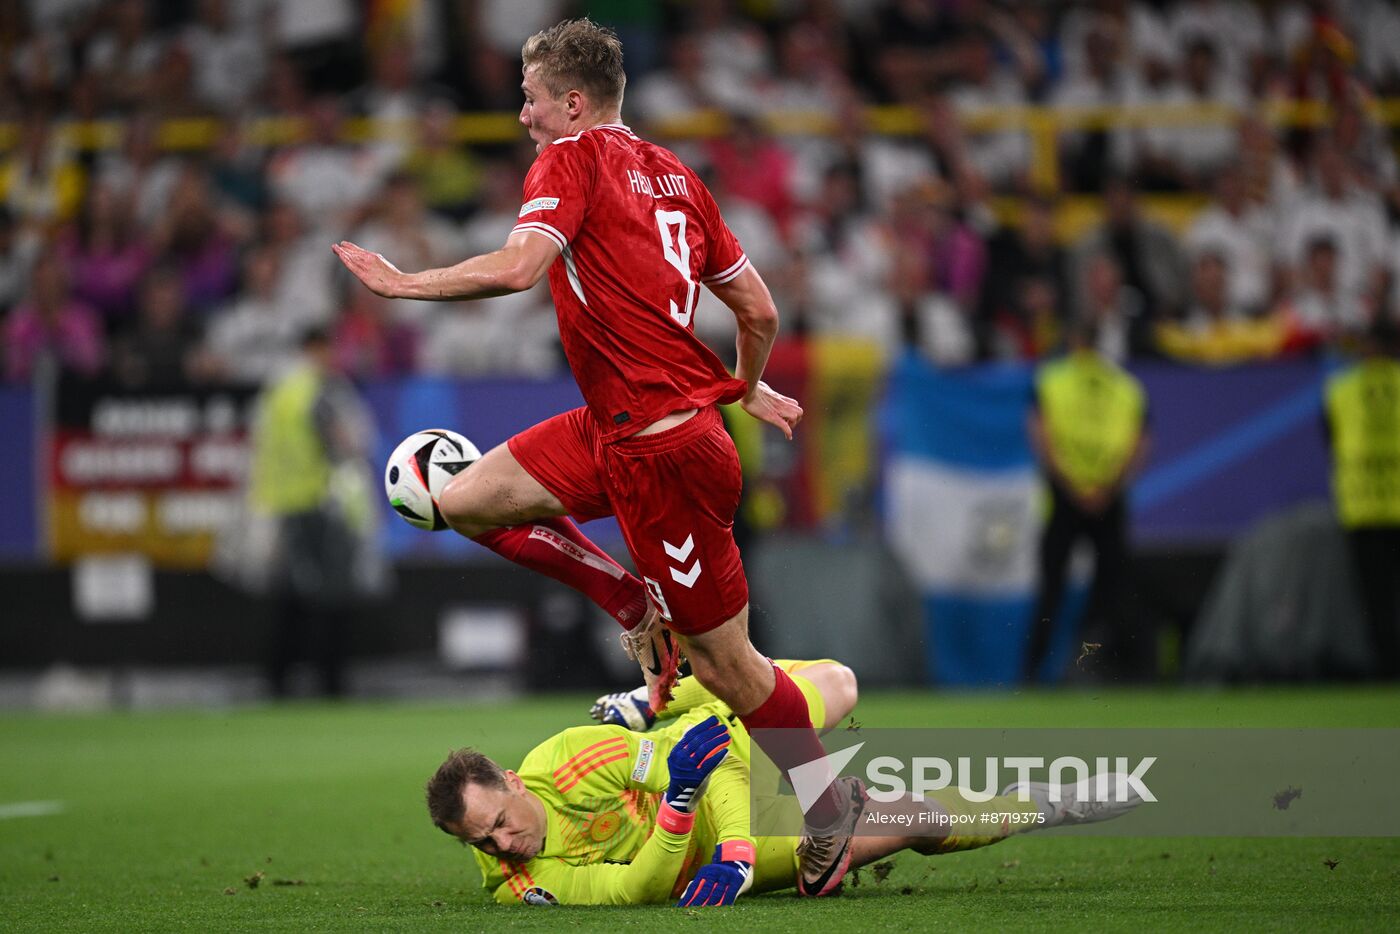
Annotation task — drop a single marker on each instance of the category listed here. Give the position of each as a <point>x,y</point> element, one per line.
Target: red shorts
<point>674,494</point>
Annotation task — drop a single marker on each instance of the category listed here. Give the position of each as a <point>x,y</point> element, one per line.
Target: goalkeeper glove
<point>629,709</point>
<point>700,751</point>
<point>727,877</point>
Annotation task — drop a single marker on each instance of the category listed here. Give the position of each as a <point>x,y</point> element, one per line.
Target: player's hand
<point>721,881</point>
<point>773,407</point>
<point>378,274</point>
<point>700,751</point>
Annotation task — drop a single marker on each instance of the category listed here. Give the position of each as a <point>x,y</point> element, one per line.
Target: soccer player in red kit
<point>628,234</point>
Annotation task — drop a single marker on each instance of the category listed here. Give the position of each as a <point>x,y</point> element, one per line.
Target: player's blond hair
<point>578,54</point>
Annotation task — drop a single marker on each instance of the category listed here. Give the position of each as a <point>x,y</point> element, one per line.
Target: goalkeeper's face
<point>507,823</point>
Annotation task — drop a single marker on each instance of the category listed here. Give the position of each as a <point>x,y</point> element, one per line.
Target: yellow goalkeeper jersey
<point>601,787</point>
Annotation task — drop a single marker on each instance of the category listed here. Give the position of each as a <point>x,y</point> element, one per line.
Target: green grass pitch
<point>169,818</point>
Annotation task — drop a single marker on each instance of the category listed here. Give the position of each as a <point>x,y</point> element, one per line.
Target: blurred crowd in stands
<point>208,262</point>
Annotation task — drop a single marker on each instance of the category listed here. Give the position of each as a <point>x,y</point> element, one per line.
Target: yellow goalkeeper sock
<point>973,824</point>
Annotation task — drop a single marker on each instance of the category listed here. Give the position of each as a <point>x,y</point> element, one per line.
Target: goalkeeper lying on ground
<point>605,815</point>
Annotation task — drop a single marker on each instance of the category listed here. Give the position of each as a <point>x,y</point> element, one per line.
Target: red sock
<point>786,710</point>
<point>556,548</point>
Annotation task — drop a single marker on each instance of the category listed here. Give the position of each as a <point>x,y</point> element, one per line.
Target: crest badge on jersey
<point>604,826</point>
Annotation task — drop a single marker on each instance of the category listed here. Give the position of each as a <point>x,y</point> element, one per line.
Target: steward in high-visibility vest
<point>1363,420</point>
<point>1088,430</point>
<point>1363,412</point>
<point>309,474</point>
<point>291,467</point>
<point>1092,412</point>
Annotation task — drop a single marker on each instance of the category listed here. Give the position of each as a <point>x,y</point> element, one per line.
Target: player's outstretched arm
<point>748,297</point>
<point>729,873</point>
<point>515,267</point>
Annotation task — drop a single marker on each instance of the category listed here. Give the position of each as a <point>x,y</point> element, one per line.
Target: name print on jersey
<point>668,185</point>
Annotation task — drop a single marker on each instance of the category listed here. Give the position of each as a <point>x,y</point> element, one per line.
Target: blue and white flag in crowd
<point>963,502</point>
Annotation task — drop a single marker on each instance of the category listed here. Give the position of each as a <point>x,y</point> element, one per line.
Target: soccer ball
<point>418,472</point>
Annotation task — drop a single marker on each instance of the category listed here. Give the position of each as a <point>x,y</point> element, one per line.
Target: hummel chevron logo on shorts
<point>680,553</point>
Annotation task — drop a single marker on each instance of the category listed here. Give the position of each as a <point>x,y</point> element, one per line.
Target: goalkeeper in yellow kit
<point>607,815</point>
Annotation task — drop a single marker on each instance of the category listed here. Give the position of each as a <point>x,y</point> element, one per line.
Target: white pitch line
<point>30,809</point>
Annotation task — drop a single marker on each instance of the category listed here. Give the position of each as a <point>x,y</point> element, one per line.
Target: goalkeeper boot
<point>1088,802</point>
<point>824,856</point>
<point>625,708</point>
<point>656,649</point>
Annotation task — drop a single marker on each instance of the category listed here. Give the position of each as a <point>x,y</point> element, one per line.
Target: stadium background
<point>933,190</point>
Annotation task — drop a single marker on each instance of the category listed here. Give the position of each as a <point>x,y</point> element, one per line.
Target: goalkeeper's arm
<point>651,876</point>
<point>648,879</point>
<point>730,870</point>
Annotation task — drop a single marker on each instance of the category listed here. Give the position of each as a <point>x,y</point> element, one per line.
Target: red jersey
<point>638,234</point>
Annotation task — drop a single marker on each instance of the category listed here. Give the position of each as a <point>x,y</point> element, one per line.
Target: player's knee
<point>463,502</point>
<point>845,691</point>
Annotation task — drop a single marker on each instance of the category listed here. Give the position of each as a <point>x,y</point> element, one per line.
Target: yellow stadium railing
<point>1043,125</point>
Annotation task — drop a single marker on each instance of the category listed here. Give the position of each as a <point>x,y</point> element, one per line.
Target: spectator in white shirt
<point>324,177</point>
<point>1376,24</point>
<point>1235,26</point>
<point>1002,157</point>
<point>847,258</point>
<point>1144,31</point>
<point>808,77</point>
<point>1271,181</point>
<point>511,334</point>
<point>735,53</point>
<point>1196,152</point>
<point>228,60</point>
<point>140,171</point>
<point>1240,233</point>
<point>1336,208</point>
<point>40,67</point>
<point>1322,310</point>
<point>403,228</point>
<point>1211,303</point>
<point>18,248</point>
<point>125,54</point>
<point>394,101</point>
<point>254,338</point>
<point>885,166</point>
<point>506,24</point>
<point>305,280</point>
<point>1105,82</point>
<point>675,92</point>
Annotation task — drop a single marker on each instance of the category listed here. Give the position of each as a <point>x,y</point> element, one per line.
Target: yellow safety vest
<point>1363,407</point>
<point>1092,411</point>
<point>290,471</point>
